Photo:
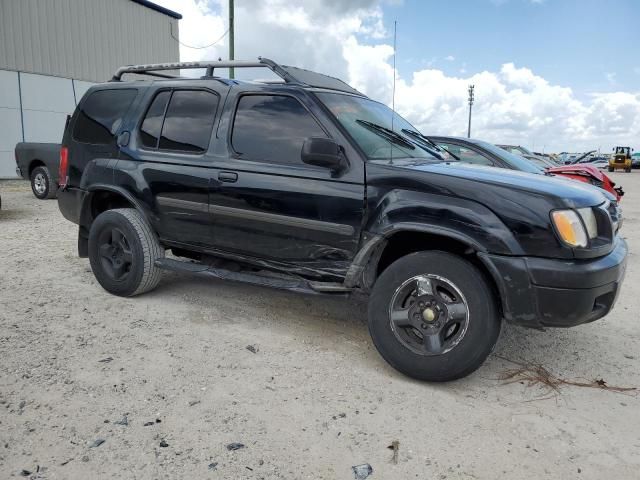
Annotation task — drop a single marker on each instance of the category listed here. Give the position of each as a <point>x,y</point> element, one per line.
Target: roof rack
<point>287,74</point>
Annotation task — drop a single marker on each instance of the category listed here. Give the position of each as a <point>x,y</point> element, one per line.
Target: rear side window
<point>181,121</point>
<point>272,129</point>
<point>101,114</point>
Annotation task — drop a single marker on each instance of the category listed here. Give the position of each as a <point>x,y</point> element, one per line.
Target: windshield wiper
<point>387,134</point>
<point>419,137</point>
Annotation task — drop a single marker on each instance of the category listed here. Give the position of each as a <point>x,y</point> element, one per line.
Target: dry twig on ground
<point>535,374</point>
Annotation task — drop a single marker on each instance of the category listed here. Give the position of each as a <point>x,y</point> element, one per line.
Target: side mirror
<point>323,152</point>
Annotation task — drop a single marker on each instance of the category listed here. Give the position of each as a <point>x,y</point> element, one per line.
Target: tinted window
<point>272,128</point>
<point>101,114</point>
<point>152,124</point>
<point>189,120</point>
<point>354,113</point>
<point>465,154</point>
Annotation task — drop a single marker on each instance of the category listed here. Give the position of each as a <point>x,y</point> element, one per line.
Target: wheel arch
<point>101,198</point>
<point>35,163</point>
<point>383,250</point>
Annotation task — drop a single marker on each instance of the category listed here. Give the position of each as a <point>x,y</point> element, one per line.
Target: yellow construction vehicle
<point>621,159</point>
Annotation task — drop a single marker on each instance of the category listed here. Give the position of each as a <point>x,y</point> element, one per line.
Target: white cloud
<point>512,105</point>
<point>450,58</point>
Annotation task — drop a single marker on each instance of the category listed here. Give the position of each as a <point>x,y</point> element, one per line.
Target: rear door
<point>167,158</point>
<point>266,203</point>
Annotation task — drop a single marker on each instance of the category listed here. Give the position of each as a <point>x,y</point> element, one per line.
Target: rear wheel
<point>42,185</point>
<point>433,316</point>
<point>122,251</point>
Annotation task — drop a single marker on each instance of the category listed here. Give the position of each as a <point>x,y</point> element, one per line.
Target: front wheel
<point>433,316</point>
<point>611,169</point>
<point>122,250</point>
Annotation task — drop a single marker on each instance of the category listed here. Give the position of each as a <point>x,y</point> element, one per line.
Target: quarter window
<point>272,129</point>
<point>152,124</point>
<point>184,125</point>
<point>101,114</point>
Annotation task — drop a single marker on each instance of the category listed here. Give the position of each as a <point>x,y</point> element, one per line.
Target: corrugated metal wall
<point>33,108</point>
<point>83,39</point>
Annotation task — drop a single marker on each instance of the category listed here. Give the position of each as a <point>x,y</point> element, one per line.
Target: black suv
<point>308,185</point>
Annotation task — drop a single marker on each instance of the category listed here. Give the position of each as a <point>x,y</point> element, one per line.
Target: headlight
<point>589,219</point>
<point>570,227</point>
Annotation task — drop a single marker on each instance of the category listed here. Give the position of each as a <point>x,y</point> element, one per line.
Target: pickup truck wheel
<point>433,316</point>
<point>42,184</point>
<point>122,251</point>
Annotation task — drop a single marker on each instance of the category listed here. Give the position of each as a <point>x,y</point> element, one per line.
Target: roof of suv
<point>289,75</point>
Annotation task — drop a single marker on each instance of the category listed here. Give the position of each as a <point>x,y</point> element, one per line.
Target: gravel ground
<point>313,400</point>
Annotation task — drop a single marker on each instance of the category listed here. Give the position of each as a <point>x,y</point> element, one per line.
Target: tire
<point>611,169</point>
<point>42,185</point>
<point>122,250</point>
<point>472,339</point>
<point>627,170</point>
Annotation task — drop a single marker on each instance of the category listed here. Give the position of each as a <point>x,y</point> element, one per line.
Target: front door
<point>265,203</point>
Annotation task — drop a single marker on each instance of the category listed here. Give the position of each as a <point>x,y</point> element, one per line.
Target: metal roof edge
<point>158,8</point>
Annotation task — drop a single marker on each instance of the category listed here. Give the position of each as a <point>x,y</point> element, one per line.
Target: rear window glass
<point>189,120</point>
<point>184,125</point>
<point>101,114</point>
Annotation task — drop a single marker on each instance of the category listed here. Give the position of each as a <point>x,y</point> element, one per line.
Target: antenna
<point>393,92</point>
<point>471,99</point>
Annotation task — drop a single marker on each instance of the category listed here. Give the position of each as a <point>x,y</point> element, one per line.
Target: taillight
<point>63,169</point>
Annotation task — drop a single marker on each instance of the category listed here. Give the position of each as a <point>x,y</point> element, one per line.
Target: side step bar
<point>282,282</point>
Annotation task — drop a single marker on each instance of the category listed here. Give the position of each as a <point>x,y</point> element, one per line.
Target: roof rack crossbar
<point>288,74</point>
<point>209,66</point>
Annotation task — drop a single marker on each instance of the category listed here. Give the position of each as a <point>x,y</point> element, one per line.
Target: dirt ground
<point>313,400</point>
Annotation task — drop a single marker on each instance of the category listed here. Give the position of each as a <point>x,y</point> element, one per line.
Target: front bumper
<point>542,292</point>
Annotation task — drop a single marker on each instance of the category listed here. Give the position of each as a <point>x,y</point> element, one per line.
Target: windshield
<point>369,124</point>
<point>516,161</point>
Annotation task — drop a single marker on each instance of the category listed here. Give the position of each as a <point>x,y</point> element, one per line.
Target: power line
<point>197,48</point>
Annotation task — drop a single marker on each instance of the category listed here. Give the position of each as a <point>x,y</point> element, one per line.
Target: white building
<point>52,51</point>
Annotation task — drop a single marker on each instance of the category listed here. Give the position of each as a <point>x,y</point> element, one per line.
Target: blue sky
<point>563,75</point>
<point>569,42</point>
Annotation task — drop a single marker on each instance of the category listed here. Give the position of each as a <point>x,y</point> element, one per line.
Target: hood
<point>565,192</point>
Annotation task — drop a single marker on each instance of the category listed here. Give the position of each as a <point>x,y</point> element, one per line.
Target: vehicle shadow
<point>340,322</point>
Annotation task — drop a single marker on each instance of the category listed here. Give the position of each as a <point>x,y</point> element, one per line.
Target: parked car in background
<point>309,185</point>
<point>583,158</point>
<point>635,160</point>
<point>529,155</point>
<point>38,163</point>
<point>484,153</point>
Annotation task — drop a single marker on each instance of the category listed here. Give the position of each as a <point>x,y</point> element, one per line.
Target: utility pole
<point>471,97</point>
<point>231,46</point>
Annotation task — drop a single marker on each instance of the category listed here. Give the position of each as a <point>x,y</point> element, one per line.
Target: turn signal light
<point>570,228</point>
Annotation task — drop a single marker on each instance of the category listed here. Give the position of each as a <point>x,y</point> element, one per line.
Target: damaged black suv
<point>306,184</point>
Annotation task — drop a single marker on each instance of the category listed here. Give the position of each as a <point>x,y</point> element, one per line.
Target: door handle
<point>229,177</point>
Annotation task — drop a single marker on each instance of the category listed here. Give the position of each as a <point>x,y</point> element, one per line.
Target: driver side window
<point>272,129</point>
